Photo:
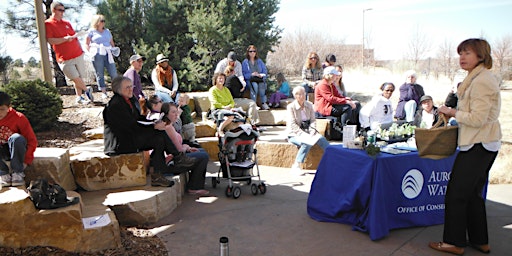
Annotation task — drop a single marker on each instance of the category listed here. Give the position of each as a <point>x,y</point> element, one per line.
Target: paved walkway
<point>277,224</point>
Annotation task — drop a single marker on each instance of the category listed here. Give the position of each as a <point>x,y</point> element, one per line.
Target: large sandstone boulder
<point>286,152</point>
<point>142,206</point>
<point>94,170</point>
<point>272,117</point>
<point>22,225</point>
<point>52,164</point>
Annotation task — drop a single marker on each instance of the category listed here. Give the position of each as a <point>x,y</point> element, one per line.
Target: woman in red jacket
<point>329,102</point>
<point>17,143</point>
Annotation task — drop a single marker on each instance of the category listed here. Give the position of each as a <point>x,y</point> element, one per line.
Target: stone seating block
<point>94,134</point>
<point>323,125</point>
<point>52,164</point>
<point>286,152</point>
<point>142,205</point>
<point>272,117</point>
<point>201,102</point>
<point>205,129</point>
<point>284,102</point>
<point>22,225</point>
<point>94,170</point>
<point>211,145</point>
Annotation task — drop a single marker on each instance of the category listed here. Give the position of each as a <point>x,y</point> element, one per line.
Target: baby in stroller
<point>237,155</point>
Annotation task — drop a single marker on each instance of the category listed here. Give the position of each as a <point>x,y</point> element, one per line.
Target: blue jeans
<point>15,150</point>
<point>100,62</point>
<point>304,148</point>
<point>261,89</point>
<point>165,97</point>
<point>410,110</point>
<point>197,174</point>
<point>308,90</point>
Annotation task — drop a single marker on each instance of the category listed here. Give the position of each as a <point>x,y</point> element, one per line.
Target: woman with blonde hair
<point>100,43</point>
<point>311,72</point>
<point>479,140</point>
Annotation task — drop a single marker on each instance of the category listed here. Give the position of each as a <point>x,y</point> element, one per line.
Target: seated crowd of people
<point>176,148</point>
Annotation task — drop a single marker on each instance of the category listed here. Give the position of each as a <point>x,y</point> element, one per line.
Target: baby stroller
<point>237,157</point>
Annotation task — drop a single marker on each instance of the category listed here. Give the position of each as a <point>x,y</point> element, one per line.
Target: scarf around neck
<point>469,78</point>
<point>164,76</point>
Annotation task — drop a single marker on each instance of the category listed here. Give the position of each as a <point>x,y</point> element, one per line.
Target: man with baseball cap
<point>427,115</point>
<point>231,60</point>
<point>165,80</point>
<point>68,51</point>
<point>136,62</point>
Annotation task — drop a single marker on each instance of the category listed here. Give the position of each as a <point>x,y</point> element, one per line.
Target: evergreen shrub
<point>39,101</point>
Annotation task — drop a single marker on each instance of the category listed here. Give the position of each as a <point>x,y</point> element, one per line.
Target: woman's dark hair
<point>330,58</point>
<point>248,49</point>
<point>153,100</point>
<point>166,107</point>
<point>386,84</point>
<point>480,47</point>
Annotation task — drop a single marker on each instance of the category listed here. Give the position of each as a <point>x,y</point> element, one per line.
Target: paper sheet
<point>308,139</point>
<point>96,221</point>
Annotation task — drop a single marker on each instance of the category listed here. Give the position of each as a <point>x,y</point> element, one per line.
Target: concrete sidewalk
<point>277,224</point>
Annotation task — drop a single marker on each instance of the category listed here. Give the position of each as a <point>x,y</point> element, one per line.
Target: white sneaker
<point>5,180</point>
<point>264,106</point>
<point>296,170</point>
<point>81,100</point>
<point>104,96</point>
<point>18,179</point>
<point>88,92</point>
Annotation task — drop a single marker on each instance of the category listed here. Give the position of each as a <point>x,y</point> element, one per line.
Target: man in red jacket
<point>17,143</point>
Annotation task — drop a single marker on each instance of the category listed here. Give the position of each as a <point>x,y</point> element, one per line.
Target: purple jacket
<point>137,85</point>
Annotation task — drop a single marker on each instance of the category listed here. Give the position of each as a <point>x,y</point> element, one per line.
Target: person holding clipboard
<point>301,130</point>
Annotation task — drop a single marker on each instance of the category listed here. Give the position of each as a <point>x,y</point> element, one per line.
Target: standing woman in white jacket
<point>379,110</point>
<point>100,44</point>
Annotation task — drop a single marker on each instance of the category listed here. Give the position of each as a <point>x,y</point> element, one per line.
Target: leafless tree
<point>502,53</point>
<point>447,60</point>
<point>419,45</point>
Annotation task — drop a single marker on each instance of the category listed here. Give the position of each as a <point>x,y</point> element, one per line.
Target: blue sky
<point>390,24</point>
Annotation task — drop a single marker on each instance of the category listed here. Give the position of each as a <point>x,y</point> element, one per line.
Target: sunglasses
<point>60,10</point>
<point>313,58</point>
<point>252,51</point>
<point>102,20</point>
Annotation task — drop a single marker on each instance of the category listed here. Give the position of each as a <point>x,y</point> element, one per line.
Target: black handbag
<point>256,79</point>
<point>46,195</point>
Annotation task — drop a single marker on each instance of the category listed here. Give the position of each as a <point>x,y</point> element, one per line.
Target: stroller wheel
<point>263,188</point>
<point>229,191</point>
<point>254,189</point>
<point>214,182</point>
<point>237,192</point>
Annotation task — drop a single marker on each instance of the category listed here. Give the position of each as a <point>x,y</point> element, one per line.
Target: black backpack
<point>47,195</point>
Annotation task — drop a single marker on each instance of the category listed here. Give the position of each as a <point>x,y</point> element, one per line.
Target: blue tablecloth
<point>376,195</point>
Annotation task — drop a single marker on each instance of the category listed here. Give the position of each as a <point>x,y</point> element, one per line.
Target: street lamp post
<point>362,45</point>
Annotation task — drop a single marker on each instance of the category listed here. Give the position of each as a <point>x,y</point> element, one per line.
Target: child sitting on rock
<point>188,128</point>
<point>282,92</point>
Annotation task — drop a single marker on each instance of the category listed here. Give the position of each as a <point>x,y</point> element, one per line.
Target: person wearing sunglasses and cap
<point>68,51</point>
<point>100,44</point>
